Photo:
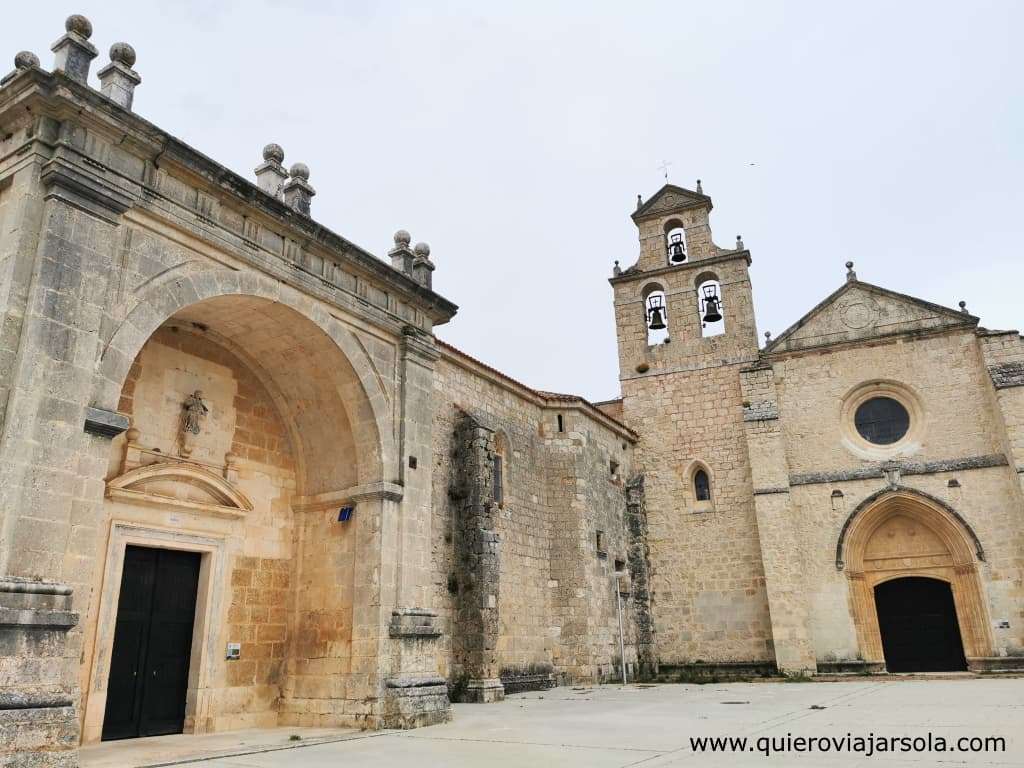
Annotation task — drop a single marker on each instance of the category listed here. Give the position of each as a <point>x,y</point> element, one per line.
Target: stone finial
<point>23,60</point>
<point>850,274</point>
<point>700,189</point>
<point>963,307</point>
<point>78,24</point>
<point>26,60</point>
<point>123,53</point>
<point>616,270</point>
<point>270,174</point>
<point>422,266</point>
<point>402,256</point>
<point>297,192</point>
<point>273,152</point>
<point>73,52</point>
<point>739,243</point>
<point>639,202</point>
<point>767,338</point>
<point>118,79</point>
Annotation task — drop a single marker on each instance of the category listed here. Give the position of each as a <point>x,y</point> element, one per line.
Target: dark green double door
<point>152,643</point>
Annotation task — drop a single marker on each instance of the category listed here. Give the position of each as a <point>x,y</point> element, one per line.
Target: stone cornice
<point>631,276</point>
<point>905,467</point>
<point>58,96</point>
<point>332,499</point>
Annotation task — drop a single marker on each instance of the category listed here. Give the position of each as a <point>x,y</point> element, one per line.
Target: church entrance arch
<point>915,592</point>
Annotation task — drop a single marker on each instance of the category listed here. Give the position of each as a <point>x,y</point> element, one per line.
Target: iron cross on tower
<point>664,168</point>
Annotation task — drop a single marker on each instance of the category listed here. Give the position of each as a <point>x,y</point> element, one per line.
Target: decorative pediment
<point>670,199</point>
<point>860,311</point>
<point>180,485</point>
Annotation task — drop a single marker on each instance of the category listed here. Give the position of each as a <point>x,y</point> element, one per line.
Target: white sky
<point>514,138</point>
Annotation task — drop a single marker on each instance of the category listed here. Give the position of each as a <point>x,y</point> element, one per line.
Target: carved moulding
<point>207,492</point>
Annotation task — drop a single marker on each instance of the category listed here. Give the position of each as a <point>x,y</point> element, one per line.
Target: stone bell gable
<point>859,311</point>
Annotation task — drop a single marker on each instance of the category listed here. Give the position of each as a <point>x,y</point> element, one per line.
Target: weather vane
<point>664,168</point>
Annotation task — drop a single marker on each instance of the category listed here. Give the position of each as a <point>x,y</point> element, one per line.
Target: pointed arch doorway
<point>915,592</point>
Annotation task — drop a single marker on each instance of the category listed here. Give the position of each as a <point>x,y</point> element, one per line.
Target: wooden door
<point>149,663</point>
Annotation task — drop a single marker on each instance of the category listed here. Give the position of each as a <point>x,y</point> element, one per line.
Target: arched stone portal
<point>293,427</point>
<point>901,534</point>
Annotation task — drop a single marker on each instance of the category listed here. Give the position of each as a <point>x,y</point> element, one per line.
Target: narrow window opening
<point>601,549</point>
<point>620,566</point>
<point>613,468</point>
<point>498,480</point>
<point>561,423</point>
<point>701,485</point>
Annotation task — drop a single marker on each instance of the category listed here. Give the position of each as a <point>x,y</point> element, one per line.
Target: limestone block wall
<point>707,581</point>
<point>556,609</point>
<point>957,455</point>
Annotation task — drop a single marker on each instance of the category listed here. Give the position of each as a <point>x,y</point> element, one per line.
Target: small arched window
<point>655,314</point>
<point>710,305</point>
<point>701,485</point>
<point>675,241</point>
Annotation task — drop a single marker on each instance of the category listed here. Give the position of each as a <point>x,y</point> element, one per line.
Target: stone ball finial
<point>78,24</point>
<point>963,306</point>
<point>273,152</point>
<point>26,60</point>
<point>123,53</point>
<point>299,171</point>
<point>402,238</point>
<point>422,250</point>
<point>849,265</point>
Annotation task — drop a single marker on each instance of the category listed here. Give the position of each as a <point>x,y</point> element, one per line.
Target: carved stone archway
<point>900,533</point>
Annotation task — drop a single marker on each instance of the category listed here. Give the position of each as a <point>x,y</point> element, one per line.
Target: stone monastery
<point>243,484</point>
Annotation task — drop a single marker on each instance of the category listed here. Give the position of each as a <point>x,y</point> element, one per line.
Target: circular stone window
<point>881,420</point>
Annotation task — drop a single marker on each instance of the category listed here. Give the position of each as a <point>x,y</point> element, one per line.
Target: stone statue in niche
<point>193,412</point>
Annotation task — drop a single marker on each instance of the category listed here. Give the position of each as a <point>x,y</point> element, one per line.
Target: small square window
<point>613,468</point>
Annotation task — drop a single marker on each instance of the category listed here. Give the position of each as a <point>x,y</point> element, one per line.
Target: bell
<point>657,320</point>
<point>676,253</point>
<point>711,313</point>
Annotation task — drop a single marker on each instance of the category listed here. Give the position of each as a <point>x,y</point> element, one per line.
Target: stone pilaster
<point>415,694</point>
<point>478,564</point>
<point>783,565</point>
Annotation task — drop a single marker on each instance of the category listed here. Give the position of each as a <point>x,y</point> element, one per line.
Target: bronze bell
<point>676,250</point>
<point>711,312</point>
<point>657,322</point>
<point>712,304</point>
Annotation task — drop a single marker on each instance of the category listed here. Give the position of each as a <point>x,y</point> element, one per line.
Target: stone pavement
<point>647,726</point>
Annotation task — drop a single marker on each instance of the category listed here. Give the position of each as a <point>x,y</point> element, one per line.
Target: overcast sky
<point>514,138</point>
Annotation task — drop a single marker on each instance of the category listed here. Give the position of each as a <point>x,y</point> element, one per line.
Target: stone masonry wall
<point>556,599</point>
<point>958,457</point>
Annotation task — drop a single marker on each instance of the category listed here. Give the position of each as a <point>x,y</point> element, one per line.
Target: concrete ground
<point>648,726</point>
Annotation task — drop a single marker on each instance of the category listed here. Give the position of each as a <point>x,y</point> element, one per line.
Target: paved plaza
<point>649,726</point>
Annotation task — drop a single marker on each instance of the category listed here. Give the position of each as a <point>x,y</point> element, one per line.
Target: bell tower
<point>685,322</point>
<point>685,299</point>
